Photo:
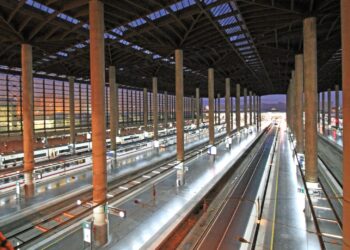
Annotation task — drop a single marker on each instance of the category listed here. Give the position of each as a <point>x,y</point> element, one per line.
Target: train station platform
<point>153,212</point>
<point>62,189</point>
<point>283,224</point>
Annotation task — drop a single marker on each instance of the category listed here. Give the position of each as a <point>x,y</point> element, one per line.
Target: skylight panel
<point>158,14</point>
<point>80,45</point>
<point>244,48</point>
<point>241,43</point>
<point>122,41</point>
<point>227,21</point>
<point>120,30</point>
<point>147,52</point>
<point>156,56</point>
<point>68,18</point>
<point>233,38</point>
<point>182,5</point>
<point>70,49</point>
<point>137,22</point>
<point>246,52</point>
<point>49,10</point>
<point>220,10</point>
<point>60,53</point>
<point>40,6</point>
<point>109,36</point>
<point>233,30</point>
<point>240,36</point>
<point>86,26</point>
<point>136,47</point>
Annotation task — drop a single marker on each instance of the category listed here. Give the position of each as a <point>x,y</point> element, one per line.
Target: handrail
<point>265,191</point>
<point>319,234</point>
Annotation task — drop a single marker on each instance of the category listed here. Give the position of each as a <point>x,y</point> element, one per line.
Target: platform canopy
<point>251,41</point>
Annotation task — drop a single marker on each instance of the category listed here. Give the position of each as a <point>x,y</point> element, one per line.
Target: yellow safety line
<point>274,210</point>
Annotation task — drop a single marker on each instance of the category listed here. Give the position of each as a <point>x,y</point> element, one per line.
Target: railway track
<point>331,156</point>
<point>203,216</point>
<point>240,195</point>
<point>30,233</point>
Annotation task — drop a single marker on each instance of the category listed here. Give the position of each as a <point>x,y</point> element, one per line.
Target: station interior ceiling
<point>253,42</point>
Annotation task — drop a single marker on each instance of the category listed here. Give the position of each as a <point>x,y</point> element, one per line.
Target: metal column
<point>71,114</point>
<point>228,106</point>
<point>179,85</point>
<point>145,108</point>
<point>254,109</point>
<point>245,107</point>
<point>250,108</point>
<point>299,83</point>
<point>310,90</point>
<point>211,105</point>
<point>337,105</point>
<point>292,103</point>
<point>231,113</point>
<point>219,109</point>
<point>345,36</point>
<point>238,107</point>
<point>155,107</point>
<point>27,116</point>
<point>165,109</point>
<point>197,108</point>
<point>329,109</point>
<point>323,113</point>
<point>113,107</point>
<point>192,109</point>
<point>97,76</point>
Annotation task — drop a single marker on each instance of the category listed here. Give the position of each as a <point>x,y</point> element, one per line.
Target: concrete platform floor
<point>160,206</point>
<point>283,224</point>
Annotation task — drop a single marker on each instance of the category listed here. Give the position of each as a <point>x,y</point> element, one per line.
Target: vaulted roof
<point>251,41</point>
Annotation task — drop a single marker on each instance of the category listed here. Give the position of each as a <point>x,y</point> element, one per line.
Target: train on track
<point>15,160</point>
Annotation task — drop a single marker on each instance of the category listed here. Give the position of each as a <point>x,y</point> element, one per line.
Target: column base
<point>312,188</point>
<point>100,226</point>
<point>28,185</point>
<point>301,160</point>
<point>156,144</point>
<point>180,174</point>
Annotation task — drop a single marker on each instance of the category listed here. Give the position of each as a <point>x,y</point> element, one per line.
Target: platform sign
<point>110,154</point>
<point>87,231</point>
<point>18,188</point>
<point>213,150</point>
